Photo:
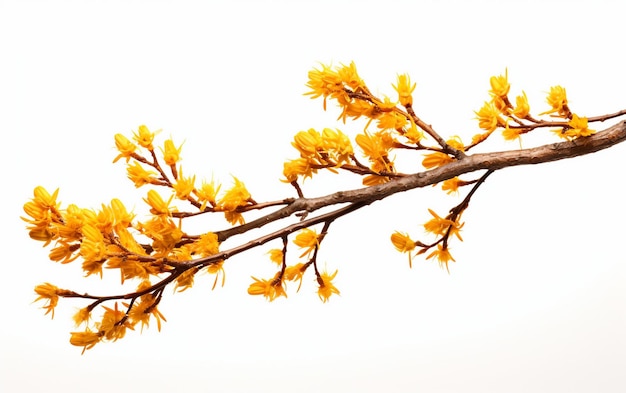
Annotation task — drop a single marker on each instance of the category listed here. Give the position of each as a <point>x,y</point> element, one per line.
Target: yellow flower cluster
<point>344,85</point>
<point>443,228</point>
<point>157,251</point>
<point>308,240</point>
<point>515,120</point>
<point>111,238</point>
<point>328,149</point>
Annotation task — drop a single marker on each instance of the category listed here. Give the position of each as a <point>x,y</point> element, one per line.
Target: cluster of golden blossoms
<point>157,251</point>
<point>515,120</point>
<point>398,127</point>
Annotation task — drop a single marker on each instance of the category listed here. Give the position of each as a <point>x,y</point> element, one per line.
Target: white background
<point>536,301</point>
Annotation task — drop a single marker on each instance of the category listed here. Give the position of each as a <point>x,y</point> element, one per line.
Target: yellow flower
<point>144,137</point>
<point>337,145</point>
<point>500,85</point>
<point>440,226</point>
<point>125,147</point>
<point>110,325</point>
<point>147,307</point>
<point>307,142</point>
<point>349,76</point>
<point>510,134</point>
<point>235,197</point>
<point>164,232</point>
<point>207,245</point>
<point>82,316</point>
<point>122,217</point>
<point>207,193</point>
<point>139,176</point>
<point>578,128</point>
<point>44,199</point>
<point>324,82</point>
<point>234,218</point>
<point>276,255</point>
<point>92,249</point>
<point>489,117</point>
<point>50,293</point>
<point>184,186</point>
<point>522,108</point>
<point>403,243</point>
<point>405,90</point>
<point>443,256</point>
<point>185,280</point>
<point>326,287</point>
<point>64,252</point>
<point>451,185</point>
<point>157,205</point>
<point>271,288</point>
<point>413,134</point>
<point>391,121</point>
<point>86,339</point>
<point>298,167</point>
<point>171,153</point>
<point>436,159</point>
<point>557,98</point>
<point>376,148</point>
<point>295,272</point>
<point>306,239</point>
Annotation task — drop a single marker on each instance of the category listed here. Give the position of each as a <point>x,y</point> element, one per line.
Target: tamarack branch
<point>157,252</point>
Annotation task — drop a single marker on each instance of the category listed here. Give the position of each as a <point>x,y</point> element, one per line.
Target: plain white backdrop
<point>535,302</point>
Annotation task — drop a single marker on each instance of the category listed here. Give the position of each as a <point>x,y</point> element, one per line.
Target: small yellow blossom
<point>271,288</point>
<point>557,99</point>
<point>403,243</point>
<point>500,85</point>
<point>443,256</point>
<point>325,82</point>
<point>578,128</point>
<point>510,134</point>
<point>206,245</point>
<point>326,287</point>
<point>349,76</point>
<point>436,159</point>
<point>276,255</point>
<point>235,197</point>
<point>50,293</point>
<point>86,339</point>
<point>157,205</point>
<point>405,90</point>
<point>144,137</point>
<point>522,108</point>
<point>295,272</point>
<point>451,185</point>
<point>171,153</point>
<point>139,175</point>
<point>64,252</point>
<point>413,134</point>
<point>82,316</point>
<point>306,239</point>
<point>125,147</point>
<point>489,117</point>
<point>440,226</point>
<point>207,193</point>
<point>185,280</point>
<point>234,218</point>
<point>391,121</point>
<point>184,186</point>
<point>298,167</point>
<point>111,324</point>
